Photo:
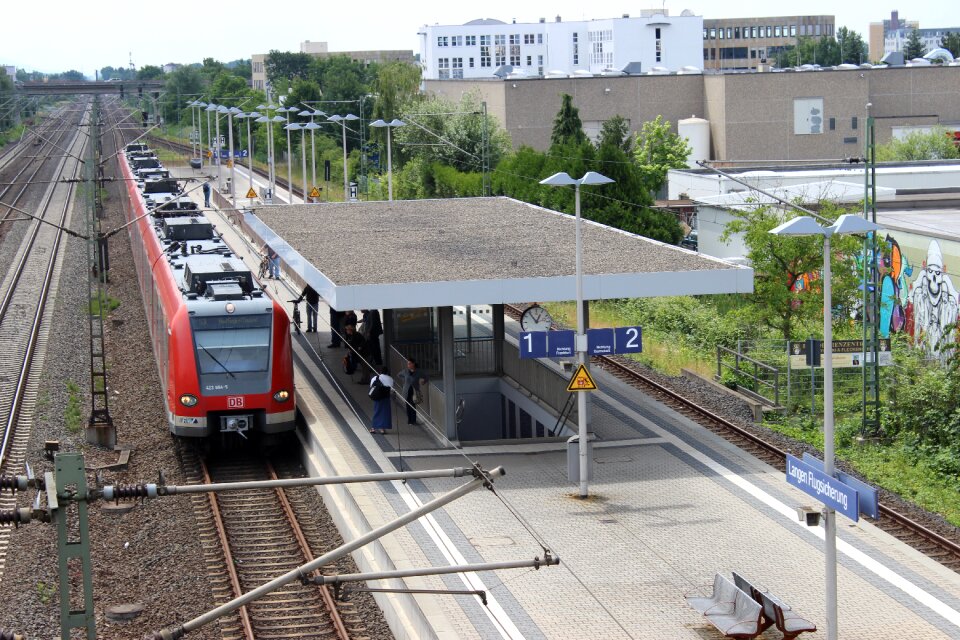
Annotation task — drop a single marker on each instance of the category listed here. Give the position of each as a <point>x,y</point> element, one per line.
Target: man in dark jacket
<point>313,299</point>
<point>356,349</point>
<point>372,330</point>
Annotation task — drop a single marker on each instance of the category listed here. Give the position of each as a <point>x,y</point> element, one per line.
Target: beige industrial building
<point>321,50</point>
<point>807,115</point>
<point>739,44</point>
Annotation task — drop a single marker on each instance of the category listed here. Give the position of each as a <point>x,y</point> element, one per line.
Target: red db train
<point>222,346</point>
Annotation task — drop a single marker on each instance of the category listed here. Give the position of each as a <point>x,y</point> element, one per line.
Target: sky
<point>86,36</point>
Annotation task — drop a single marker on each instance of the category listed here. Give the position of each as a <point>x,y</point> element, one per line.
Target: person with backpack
<point>380,386</point>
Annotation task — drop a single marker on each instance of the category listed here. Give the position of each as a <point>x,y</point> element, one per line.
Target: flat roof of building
<point>425,253</point>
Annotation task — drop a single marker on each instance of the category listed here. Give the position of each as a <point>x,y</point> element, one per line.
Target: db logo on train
<point>235,402</point>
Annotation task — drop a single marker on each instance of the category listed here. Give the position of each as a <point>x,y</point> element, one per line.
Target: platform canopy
<point>468,251</point>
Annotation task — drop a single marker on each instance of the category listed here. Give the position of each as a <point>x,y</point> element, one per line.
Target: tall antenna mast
<point>132,68</point>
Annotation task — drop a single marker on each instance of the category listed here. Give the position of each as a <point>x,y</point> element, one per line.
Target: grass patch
<point>72,417</point>
<point>104,302</point>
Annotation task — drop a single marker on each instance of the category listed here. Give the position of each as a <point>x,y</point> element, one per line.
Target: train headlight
<point>281,396</point>
<point>230,308</point>
<point>188,400</point>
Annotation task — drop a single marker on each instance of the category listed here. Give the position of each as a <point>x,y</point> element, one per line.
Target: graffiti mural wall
<point>917,293</point>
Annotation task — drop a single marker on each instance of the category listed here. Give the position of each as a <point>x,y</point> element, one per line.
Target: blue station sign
<point>868,496</point>
<point>600,342</point>
<point>533,344</point>
<point>819,485</point>
<point>629,339</point>
<point>560,344</point>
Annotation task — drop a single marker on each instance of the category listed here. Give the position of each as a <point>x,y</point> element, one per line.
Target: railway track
<point>250,537</point>
<point>945,549</point>
<point>25,317</point>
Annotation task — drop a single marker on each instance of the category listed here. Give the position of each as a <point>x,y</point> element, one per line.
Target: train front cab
<point>231,370</point>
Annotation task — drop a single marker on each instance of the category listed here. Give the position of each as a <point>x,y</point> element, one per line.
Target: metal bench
<point>733,611</point>
<point>720,601</point>
<point>775,611</point>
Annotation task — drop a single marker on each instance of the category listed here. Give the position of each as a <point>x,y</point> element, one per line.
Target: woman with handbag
<point>380,385</point>
<point>412,379</point>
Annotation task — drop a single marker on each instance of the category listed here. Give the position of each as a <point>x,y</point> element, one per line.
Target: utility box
<point>573,458</point>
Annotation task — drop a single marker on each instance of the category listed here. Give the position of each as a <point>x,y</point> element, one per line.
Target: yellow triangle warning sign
<point>315,193</point>
<point>581,381</point>
<point>251,193</point>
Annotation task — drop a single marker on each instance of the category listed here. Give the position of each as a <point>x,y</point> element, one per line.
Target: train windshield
<point>232,344</point>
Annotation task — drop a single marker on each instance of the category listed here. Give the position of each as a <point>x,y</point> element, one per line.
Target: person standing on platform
<point>336,328</point>
<point>273,261</point>
<point>206,194</point>
<point>412,379</point>
<point>313,299</point>
<point>356,350</point>
<point>372,330</point>
<point>380,394</point>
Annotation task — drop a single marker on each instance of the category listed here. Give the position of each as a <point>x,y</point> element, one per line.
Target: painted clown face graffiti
<point>935,302</point>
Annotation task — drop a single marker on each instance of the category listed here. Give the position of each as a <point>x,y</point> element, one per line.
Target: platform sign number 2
<point>629,339</point>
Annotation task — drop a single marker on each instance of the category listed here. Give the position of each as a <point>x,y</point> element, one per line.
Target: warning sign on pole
<point>315,193</point>
<point>251,193</point>
<point>581,380</point>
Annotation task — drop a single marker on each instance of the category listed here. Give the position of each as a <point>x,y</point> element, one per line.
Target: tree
<point>340,78</point>
<point>183,85</point>
<point>935,144</point>
<point>567,127</point>
<point>616,132</point>
<point>780,262</point>
<point>951,42</point>
<point>72,75</point>
<point>396,83</point>
<point>914,47</point>
<point>659,150</point>
<point>822,51</point>
<point>853,50</point>
<point>302,93</point>
<point>149,72</point>
<point>285,65</point>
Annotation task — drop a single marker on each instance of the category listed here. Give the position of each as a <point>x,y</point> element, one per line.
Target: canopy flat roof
<point>429,253</point>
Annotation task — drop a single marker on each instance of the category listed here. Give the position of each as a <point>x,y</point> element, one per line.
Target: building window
<point>736,33</point>
<point>485,56</point>
<point>713,33</point>
<point>456,41</point>
<point>793,31</point>
<point>768,31</point>
<point>485,40</point>
<point>514,38</point>
<point>833,124</point>
<point>443,68</point>
<point>753,32</point>
<point>776,32</point>
<point>539,38</point>
<point>471,41</point>
<point>500,55</point>
<point>528,38</point>
<point>500,39</point>
<point>720,34</point>
<point>529,61</point>
<point>458,68</point>
<point>853,122</point>
<point>515,55</point>
<point>658,44</point>
<point>816,30</point>
<point>470,62</point>
<point>442,41</point>
<point>729,32</point>
<point>576,48</point>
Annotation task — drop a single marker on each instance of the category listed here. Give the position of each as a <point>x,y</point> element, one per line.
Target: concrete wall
<point>751,114</point>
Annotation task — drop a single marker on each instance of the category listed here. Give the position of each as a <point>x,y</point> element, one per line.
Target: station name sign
<point>824,488</point>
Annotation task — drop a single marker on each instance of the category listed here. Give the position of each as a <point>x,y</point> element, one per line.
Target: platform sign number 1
<point>629,339</point>
<point>533,344</point>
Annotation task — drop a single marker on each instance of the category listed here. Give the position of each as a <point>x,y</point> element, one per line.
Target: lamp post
<point>216,110</point>
<point>248,117</point>
<point>287,111</point>
<point>296,126</point>
<point>559,180</point>
<point>807,226</point>
<point>313,126</point>
<point>209,142</point>
<point>230,162</point>
<point>194,137</point>
<point>271,157</point>
<point>389,125</point>
<point>343,125</point>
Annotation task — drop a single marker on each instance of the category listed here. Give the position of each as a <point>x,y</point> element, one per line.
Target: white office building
<point>652,42</point>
